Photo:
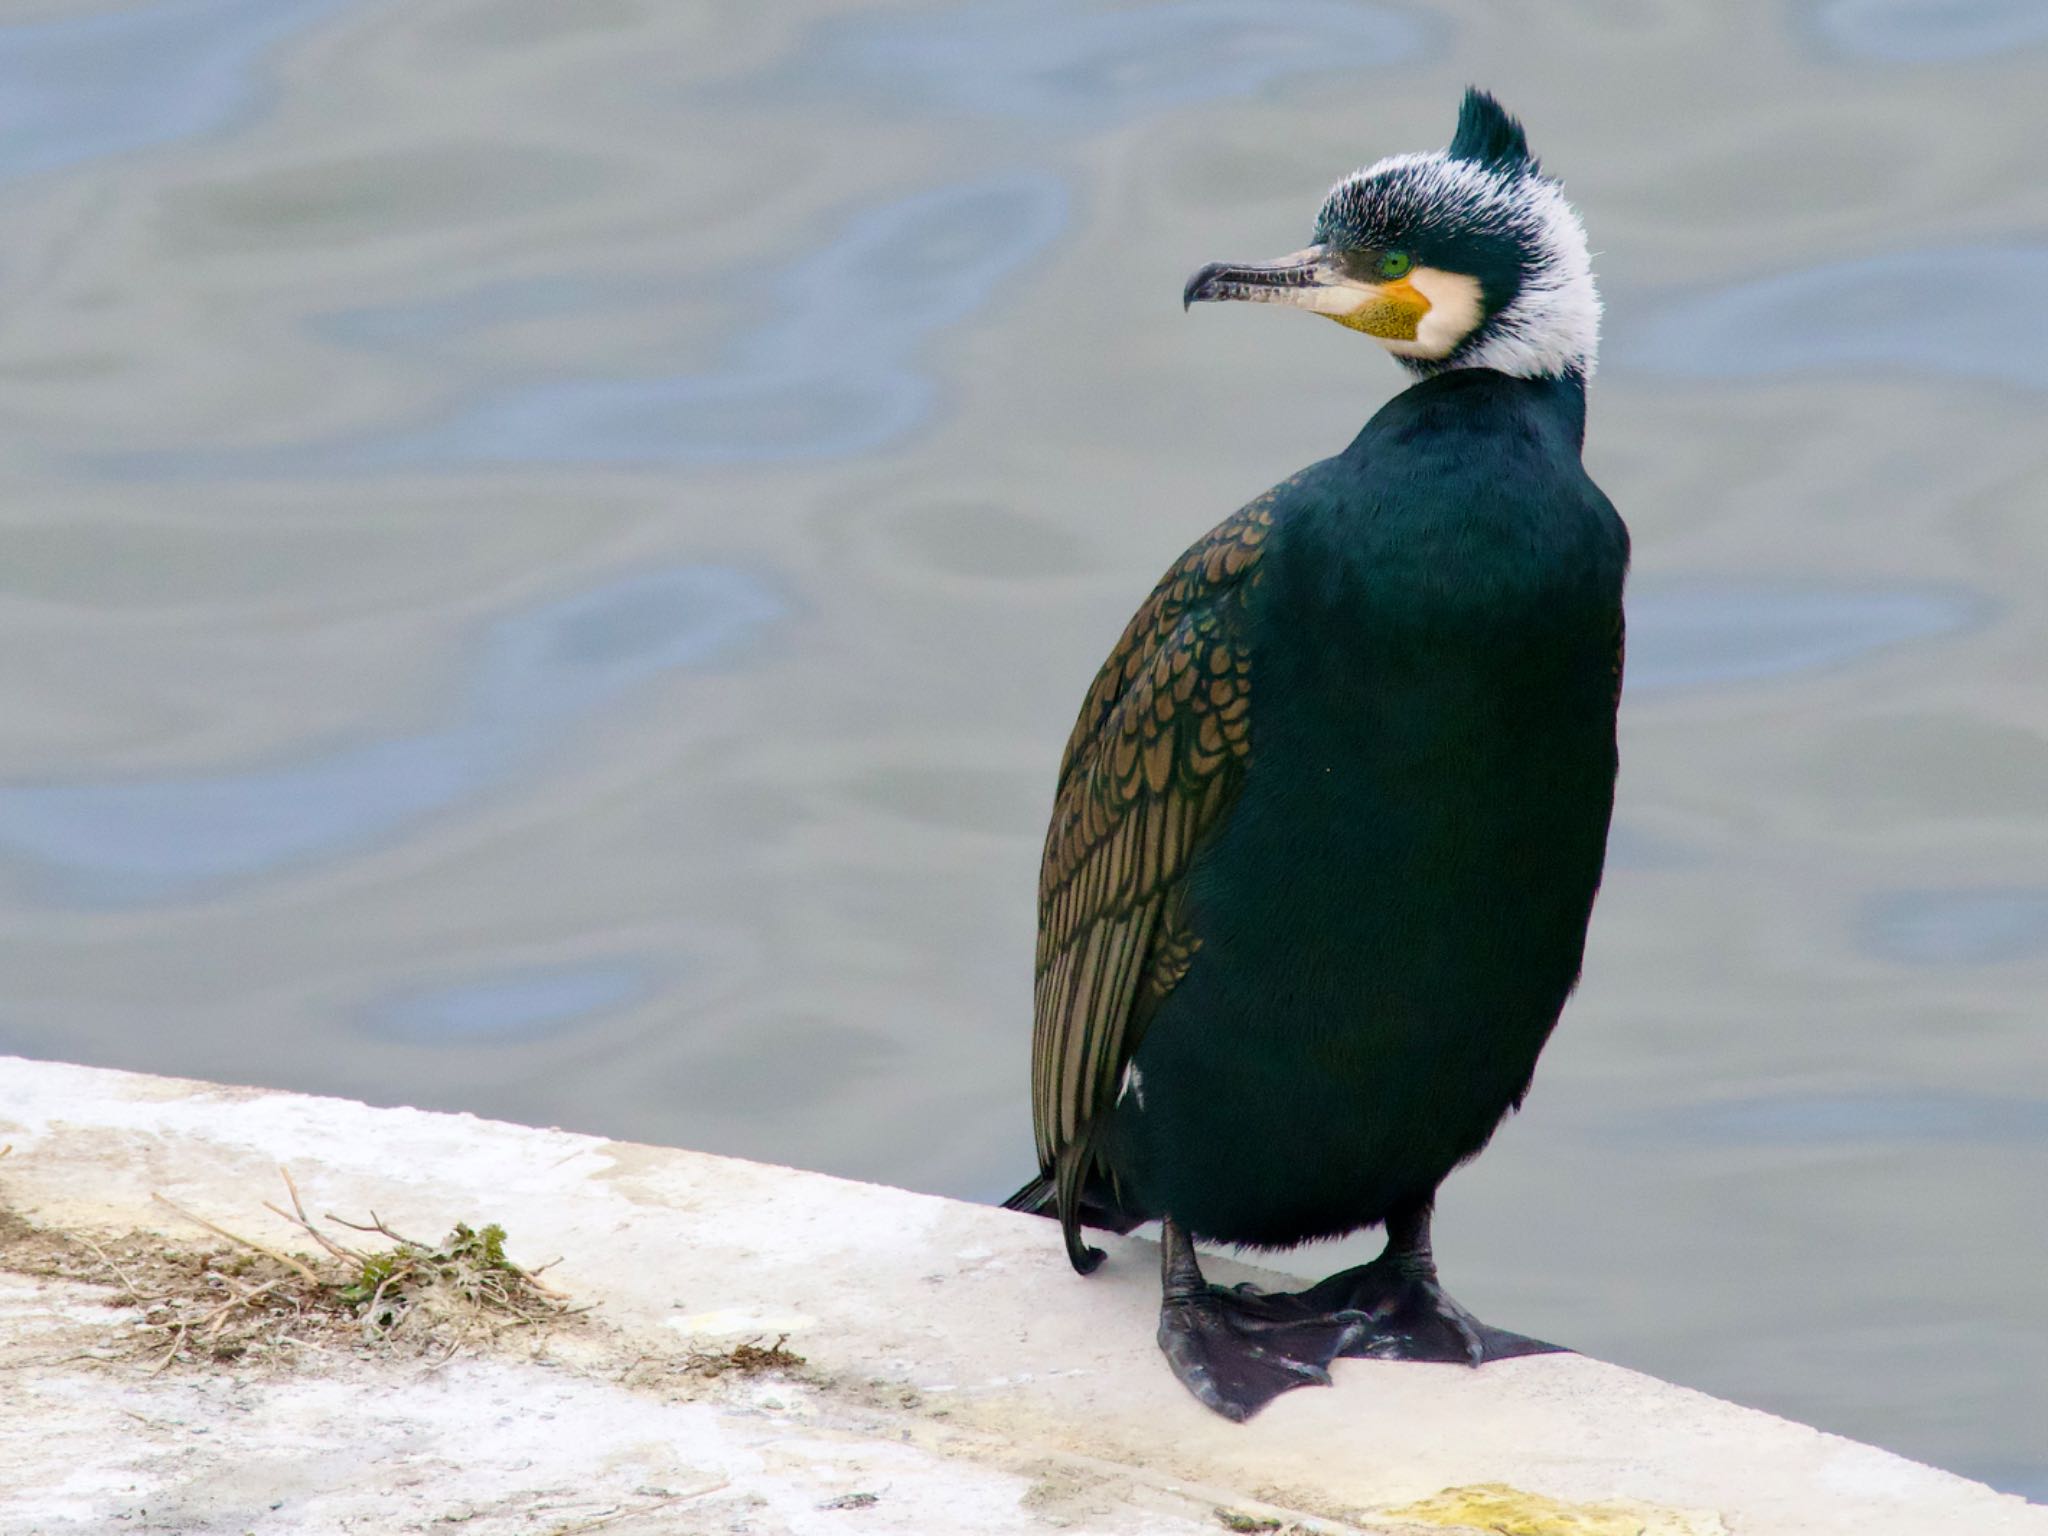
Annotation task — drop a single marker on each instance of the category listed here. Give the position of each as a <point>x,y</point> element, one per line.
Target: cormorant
<point>1328,831</point>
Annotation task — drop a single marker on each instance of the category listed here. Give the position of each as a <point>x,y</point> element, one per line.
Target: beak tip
<point>1199,286</point>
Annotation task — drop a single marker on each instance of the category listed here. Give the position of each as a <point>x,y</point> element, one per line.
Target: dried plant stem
<point>127,1280</point>
<point>269,1253</point>
<point>377,1226</point>
<point>301,1221</point>
<point>177,1344</point>
<point>436,1300</point>
<point>219,1315</point>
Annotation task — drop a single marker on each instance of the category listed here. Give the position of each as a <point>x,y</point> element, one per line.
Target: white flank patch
<point>1133,1085</point>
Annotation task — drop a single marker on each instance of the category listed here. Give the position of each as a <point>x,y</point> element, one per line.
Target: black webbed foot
<point>1405,1313</point>
<point>1238,1349</point>
<point>1236,1361</point>
<point>1408,1314</point>
<point>1234,1353</point>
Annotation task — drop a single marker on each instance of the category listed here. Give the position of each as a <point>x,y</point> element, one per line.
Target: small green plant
<point>376,1270</point>
<point>468,1266</point>
<point>251,1302</point>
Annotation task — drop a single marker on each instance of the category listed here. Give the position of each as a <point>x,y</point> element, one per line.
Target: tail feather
<point>1098,1206</point>
<point>1038,1198</point>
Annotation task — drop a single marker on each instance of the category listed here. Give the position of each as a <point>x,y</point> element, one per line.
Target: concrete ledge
<point>959,1373</point>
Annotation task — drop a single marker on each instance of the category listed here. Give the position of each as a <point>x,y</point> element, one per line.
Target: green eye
<point>1394,264</point>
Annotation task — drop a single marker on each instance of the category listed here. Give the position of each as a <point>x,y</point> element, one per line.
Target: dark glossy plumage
<point>1330,825</point>
<point>1155,759</point>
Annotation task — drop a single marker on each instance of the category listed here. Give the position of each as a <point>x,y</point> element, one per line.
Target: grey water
<point>550,552</point>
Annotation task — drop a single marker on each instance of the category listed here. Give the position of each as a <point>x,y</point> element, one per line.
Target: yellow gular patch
<point>1391,311</point>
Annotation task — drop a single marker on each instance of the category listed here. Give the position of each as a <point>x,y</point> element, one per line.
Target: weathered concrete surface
<point>959,1373</point>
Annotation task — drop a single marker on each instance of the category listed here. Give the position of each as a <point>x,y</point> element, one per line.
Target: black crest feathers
<point>1488,136</point>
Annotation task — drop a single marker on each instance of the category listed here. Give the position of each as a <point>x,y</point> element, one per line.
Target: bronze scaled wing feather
<point>1157,754</point>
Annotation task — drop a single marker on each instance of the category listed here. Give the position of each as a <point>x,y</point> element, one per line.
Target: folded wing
<point>1155,759</point>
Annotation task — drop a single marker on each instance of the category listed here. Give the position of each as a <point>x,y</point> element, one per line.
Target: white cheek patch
<point>1455,310</point>
<point>1552,326</point>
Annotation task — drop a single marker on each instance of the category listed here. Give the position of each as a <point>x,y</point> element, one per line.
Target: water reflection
<point>138,841</point>
<point>1833,1119</point>
<point>508,1008</point>
<point>388,358</point>
<point>1969,311</point>
<point>1956,927</point>
<point>73,88</point>
<point>831,365</point>
<point>1629,847</point>
<point>986,541</point>
<point>1079,66</point>
<point>120,842</point>
<point>1700,633</point>
<point>1932,31</point>
<point>417,327</point>
<point>750,1072</point>
<point>957,796</point>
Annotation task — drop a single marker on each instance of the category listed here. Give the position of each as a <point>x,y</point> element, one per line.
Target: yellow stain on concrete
<point>1496,1509</point>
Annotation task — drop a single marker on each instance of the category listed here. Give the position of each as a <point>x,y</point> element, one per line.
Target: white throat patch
<point>1455,310</point>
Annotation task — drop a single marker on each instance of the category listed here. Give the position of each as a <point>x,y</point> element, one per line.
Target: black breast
<point>1394,911</point>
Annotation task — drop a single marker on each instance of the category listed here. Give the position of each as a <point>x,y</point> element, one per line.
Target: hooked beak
<point>1393,312</point>
<point>1290,280</point>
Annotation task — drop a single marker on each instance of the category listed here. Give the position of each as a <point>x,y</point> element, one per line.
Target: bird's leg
<point>1234,1358</point>
<point>1408,1314</point>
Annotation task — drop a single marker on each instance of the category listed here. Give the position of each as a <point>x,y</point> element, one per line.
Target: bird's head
<point>1468,257</point>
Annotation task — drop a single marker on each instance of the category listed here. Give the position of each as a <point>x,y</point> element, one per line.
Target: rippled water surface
<point>551,551</point>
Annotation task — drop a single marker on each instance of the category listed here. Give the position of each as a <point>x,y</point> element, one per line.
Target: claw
<point>1464,1322</point>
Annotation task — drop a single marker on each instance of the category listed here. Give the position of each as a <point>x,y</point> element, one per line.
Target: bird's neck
<point>1549,328</point>
<point>1569,390</point>
<point>1563,395</point>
